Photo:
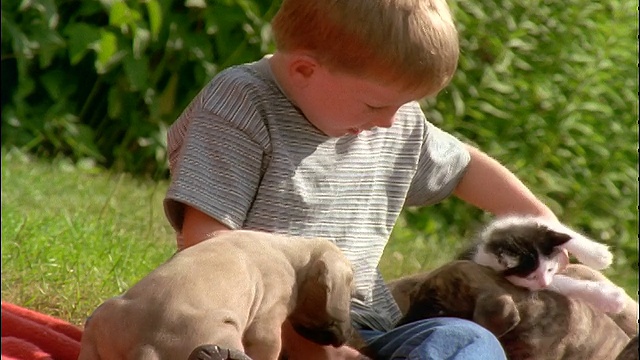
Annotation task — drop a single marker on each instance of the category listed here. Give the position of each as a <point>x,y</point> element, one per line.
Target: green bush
<point>104,79</point>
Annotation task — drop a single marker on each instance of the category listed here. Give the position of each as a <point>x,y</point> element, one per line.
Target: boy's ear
<point>302,68</point>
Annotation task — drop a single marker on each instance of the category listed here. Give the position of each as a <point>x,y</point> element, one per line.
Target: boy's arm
<point>198,226</point>
<point>490,186</point>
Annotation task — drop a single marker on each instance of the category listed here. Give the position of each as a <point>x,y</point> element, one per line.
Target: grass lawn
<point>73,235</point>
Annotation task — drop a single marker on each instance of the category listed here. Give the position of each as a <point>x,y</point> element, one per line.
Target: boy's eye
<point>373,108</point>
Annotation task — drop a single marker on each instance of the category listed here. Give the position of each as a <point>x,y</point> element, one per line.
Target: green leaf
<point>107,50</point>
<point>141,40</point>
<point>155,17</point>
<point>596,107</point>
<point>23,47</point>
<point>458,103</point>
<point>82,37</point>
<point>198,4</point>
<point>137,71</point>
<point>115,104</point>
<point>57,84</point>
<point>121,15</point>
<point>47,8</point>
<point>49,42</point>
<point>520,45</point>
<point>167,99</point>
<point>492,110</point>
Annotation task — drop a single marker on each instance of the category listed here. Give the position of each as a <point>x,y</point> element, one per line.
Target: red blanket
<point>29,335</point>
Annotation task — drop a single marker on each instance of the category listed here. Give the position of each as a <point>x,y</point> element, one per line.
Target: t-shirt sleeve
<point>216,151</point>
<point>443,161</point>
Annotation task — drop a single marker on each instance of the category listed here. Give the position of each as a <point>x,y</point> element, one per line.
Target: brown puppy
<point>530,325</point>
<point>235,291</point>
<point>631,351</point>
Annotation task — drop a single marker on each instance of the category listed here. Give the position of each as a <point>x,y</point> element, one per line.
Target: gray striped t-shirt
<point>242,153</point>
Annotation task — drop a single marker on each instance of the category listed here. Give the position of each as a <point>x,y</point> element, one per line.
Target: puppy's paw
<point>214,352</point>
<point>597,256</point>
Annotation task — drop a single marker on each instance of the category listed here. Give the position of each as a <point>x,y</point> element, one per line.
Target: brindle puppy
<point>530,325</point>
<point>630,352</point>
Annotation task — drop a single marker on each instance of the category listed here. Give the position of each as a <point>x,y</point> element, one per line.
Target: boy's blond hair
<point>411,43</point>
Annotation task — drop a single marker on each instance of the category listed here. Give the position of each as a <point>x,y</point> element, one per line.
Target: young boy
<point>325,138</point>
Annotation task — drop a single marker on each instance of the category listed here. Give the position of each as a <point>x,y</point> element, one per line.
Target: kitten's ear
<point>555,238</point>
<point>509,262</point>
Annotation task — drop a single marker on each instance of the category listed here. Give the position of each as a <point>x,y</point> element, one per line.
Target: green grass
<point>74,235</point>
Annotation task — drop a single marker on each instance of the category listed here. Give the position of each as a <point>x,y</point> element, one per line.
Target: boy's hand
<point>298,348</point>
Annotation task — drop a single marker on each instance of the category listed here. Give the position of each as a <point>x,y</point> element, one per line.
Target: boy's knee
<point>465,329</point>
<point>437,338</point>
<point>452,338</point>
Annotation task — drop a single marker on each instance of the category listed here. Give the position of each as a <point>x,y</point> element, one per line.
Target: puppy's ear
<point>324,296</point>
<point>497,312</point>
<point>328,287</point>
<point>314,291</point>
<point>339,279</point>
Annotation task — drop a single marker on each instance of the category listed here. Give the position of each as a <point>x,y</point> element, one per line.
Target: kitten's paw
<point>608,298</point>
<point>596,257</point>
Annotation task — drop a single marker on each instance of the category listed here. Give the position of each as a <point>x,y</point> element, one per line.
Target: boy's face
<point>339,104</point>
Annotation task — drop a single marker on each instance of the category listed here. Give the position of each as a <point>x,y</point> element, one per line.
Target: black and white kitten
<point>527,251</point>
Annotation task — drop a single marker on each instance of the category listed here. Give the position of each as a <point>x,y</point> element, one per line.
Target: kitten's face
<point>527,253</point>
<point>541,277</point>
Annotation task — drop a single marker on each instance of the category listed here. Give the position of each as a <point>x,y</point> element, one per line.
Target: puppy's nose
<point>340,335</point>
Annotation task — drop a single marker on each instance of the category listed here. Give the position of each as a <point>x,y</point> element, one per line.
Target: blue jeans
<point>435,339</point>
